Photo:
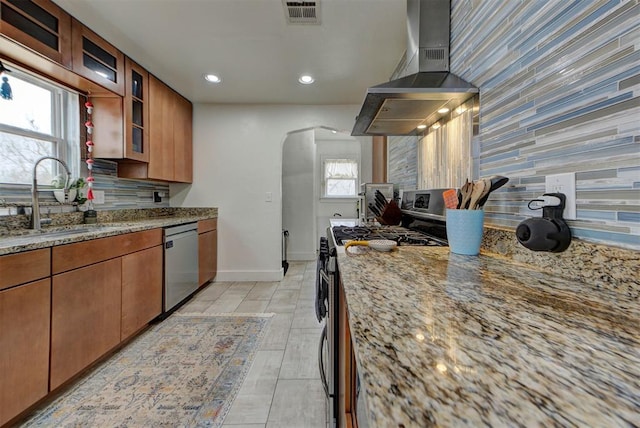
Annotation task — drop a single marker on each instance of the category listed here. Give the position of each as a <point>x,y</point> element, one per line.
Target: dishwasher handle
<point>176,230</point>
<point>168,240</point>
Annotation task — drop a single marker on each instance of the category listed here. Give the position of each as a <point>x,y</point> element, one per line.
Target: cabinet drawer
<point>72,256</point>
<point>24,267</point>
<point>207,225</point>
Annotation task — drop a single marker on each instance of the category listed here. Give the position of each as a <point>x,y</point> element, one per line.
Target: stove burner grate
<point>402,236</point>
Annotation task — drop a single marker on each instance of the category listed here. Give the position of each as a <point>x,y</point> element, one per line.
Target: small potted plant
<point>73,194</point>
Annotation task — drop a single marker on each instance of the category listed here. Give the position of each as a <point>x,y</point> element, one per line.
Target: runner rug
<point>182,372</point>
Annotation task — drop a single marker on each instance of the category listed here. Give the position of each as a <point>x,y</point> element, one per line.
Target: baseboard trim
<point>244,276</point>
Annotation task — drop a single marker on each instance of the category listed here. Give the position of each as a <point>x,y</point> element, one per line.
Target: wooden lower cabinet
<point>24,346</point>
<point>85,321</point>
<point>207,250</point>
<point>141,289</point>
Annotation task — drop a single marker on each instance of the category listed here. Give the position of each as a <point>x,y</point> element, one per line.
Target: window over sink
<point>39,119</point>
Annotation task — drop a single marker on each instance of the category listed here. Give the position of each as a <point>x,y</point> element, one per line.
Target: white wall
<point>298,199</point>
<point>237,159</point>
<point>326,208</point>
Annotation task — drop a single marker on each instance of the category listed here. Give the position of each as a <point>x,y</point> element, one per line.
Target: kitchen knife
<point>374,209</point>
<point>380,198</point>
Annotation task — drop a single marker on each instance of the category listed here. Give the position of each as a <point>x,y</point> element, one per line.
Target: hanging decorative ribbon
<point>89,125</point>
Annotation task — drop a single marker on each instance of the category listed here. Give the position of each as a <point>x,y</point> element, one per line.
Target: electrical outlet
<point>566,184</point>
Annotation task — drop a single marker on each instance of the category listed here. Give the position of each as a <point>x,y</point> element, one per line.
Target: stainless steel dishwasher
<point>180,263</point>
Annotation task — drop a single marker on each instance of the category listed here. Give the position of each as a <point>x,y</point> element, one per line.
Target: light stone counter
<point>447,340</point>
<point>110,223</point>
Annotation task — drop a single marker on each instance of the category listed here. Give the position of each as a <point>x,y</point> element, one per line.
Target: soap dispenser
<point>549,233</point>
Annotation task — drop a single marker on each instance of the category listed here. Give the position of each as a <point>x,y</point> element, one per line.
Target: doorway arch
<point>305,213</point>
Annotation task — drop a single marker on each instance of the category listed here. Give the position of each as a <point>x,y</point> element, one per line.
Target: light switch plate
<point>269,197</point>
<point>566,184</point>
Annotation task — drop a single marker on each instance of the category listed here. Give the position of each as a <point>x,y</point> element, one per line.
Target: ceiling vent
<point>302,12</point>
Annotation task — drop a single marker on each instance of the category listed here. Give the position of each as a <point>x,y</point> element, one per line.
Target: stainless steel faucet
<point>35,211</point>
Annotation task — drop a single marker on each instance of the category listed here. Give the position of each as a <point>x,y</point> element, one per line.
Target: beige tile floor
<point>282,388</point>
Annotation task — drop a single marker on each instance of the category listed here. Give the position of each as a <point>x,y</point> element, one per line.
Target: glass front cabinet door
<point>136,112</point>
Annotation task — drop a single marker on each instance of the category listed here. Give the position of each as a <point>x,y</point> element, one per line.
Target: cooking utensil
<point>450,198</point>
<point>476,193</point>
<point>466,190</point>
<point>497,181</point>
<point>384,245</point>
<point>484,194</point>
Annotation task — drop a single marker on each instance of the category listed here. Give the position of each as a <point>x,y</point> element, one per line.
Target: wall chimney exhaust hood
<point>425,84</point>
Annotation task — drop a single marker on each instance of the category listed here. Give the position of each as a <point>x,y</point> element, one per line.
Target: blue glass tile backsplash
<point>559,92</point>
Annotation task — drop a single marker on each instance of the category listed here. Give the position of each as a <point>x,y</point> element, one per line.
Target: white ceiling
<point>250,45</point>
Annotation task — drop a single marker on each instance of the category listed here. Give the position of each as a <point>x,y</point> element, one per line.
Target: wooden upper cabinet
<point>122,124</point>
<point>170,134</point>
<point>39,25</point>
<point>136,112</point>
<point>96,59</point>
<point>182,140</point>
<point>161,112</point>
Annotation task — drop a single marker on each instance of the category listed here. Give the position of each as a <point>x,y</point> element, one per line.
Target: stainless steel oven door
<point>327,347</point>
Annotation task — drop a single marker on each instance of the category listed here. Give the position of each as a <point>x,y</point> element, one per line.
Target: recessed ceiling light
<point>305,79</point>
<point>212,78</point>
<point>421,126</point>
<point>443,110</point>
<point>436,125</point>
<point>333,131</point>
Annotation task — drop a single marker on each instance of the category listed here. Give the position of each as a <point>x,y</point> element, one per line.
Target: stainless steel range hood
<point>424,84</point>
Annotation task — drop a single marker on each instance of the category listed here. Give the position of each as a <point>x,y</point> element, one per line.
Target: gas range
<point>423,223</point>
<point>401,235</point>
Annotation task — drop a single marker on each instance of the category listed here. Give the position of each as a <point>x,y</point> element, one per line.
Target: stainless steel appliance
<point>368,195</point>
<point>423,224</point>
<point>180,264</point>
<point>326,311</point>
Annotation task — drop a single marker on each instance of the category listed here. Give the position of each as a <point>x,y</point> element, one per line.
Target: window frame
<point>323,179</point>
<point>65,130</point>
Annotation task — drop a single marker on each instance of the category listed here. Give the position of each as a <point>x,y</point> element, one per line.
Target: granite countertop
<point>111,224</point>
<point>448,340</point>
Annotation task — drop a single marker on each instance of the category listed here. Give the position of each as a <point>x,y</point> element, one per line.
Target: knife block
<point>391,215</point>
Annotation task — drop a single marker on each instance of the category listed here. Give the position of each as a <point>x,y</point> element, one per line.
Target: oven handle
<point>324,275</point>
<point>323,375</point>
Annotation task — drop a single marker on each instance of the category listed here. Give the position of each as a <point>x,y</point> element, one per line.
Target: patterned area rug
<point>182,372</point>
